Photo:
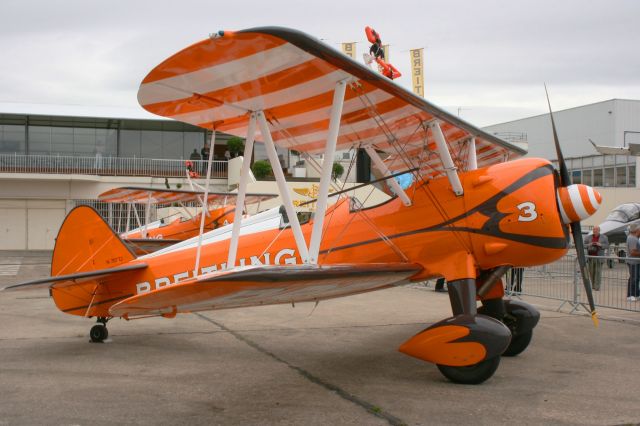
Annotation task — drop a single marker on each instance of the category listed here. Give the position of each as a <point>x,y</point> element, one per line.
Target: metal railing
<point>122,218</point>
<point>562,281</point>
<point>105,166</point>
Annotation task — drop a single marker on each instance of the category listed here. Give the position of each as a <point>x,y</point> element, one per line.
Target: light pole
<point>462,109</point>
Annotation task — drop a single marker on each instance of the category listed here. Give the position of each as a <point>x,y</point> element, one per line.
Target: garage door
<point>13,229</point>
<point>43,227</point>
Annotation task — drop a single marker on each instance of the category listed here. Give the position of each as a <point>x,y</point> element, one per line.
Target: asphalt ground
<point>336,363</point>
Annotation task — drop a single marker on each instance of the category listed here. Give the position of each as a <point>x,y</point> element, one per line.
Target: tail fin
<point>86,242</point>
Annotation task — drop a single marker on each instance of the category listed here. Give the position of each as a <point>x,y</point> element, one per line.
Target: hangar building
<point>615,122</point>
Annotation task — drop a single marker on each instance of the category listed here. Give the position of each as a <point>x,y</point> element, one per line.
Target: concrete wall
<point>33,206</point>
<point>30,224</point>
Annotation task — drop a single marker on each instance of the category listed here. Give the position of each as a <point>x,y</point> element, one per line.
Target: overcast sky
<point>487,60</point>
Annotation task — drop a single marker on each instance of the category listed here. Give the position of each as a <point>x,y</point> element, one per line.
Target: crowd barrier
<point>562,281</point>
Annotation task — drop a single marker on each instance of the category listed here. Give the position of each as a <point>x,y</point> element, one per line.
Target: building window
<point>609,179</point>
<point>62,140</point>
<point>12,139</point>
<point>130,143</point>
<point>621,176</point>
<point>597,177</point>
<point>192,140</point>
<point>587,177</point>
<point>576,176</point>
<point>39,140</point>
<point>632,175</point>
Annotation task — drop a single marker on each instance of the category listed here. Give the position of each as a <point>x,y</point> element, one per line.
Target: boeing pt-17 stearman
<point>472,211</point>
<point>218,211</point>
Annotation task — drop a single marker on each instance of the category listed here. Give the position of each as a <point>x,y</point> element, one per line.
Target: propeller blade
<point>564,173</point>
<point>576,230</point>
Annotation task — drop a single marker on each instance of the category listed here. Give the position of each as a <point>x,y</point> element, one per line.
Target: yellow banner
<point>349,49</point>
<point>417,71</point>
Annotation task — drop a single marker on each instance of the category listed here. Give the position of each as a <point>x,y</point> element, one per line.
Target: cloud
<point>490,57</point>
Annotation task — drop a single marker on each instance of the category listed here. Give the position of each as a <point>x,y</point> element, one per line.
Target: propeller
<point>576,229</point>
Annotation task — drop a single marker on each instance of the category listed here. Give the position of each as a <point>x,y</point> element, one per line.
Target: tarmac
<point>335,363</point>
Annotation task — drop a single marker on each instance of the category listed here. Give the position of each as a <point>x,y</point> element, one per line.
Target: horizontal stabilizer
<point>77,278</point>
<point>264,285</point>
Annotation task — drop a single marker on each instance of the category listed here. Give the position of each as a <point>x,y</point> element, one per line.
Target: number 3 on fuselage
<point>528,212</point>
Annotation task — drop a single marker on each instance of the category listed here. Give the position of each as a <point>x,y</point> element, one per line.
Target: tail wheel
<point>519,343</point>
<point>98,333</point>
<point>472,374</point>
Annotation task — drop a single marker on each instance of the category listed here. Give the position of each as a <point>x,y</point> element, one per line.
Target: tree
<point>261,169</point>
<point>235,145</point>
<point>337,170</point>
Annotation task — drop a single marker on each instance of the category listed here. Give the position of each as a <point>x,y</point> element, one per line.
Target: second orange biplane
<point>472,211</point>
<point>218,210</point>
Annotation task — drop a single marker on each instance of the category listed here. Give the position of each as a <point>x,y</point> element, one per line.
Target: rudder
<point>85,242</point>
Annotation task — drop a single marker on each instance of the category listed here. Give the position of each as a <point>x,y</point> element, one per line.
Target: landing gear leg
<point>462,294</point>
<point>99,332</point>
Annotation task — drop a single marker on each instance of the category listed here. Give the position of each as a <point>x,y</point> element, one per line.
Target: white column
<point>385,171</point>
<point>128,216</point>
<point>242,190</point>
<point>327,167</point>
<point>205,204</point>
<point>147,216</point>
<point>282,187</point>
<point>445,158</point>
<point>472,161</point>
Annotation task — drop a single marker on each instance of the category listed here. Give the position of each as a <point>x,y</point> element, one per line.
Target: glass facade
<point>87,137</point>
<point>603,170</point>
<point>12,139</point>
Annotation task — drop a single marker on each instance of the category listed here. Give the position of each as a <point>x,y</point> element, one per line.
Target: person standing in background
<point>596,245</point>
<point>205,156</point>
<point>633,261</point>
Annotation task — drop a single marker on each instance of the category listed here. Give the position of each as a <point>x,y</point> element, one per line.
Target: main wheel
<point>519,343</point>
<point>472,374</point>
<point>98,333</point>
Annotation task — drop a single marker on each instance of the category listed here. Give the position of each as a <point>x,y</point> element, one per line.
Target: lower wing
<point>264,285</point>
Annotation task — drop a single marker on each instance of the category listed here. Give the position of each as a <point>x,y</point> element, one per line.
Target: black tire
<point>518,343</point>
<point>472,374</point>
<point>98,333</point>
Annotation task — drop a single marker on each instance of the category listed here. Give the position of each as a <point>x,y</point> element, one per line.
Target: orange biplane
<point>471,211</point>
<point>161,233</point>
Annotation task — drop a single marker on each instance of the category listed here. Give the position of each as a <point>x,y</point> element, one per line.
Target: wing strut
<point>128,217</point>
<point>445,157</point>
<point>242,190</point>
<point>472,160</point>
<point>147,216</point>
<point>282,186</point>
<point>385,171</point>
<point>205,200</point>
<point>327,167</point>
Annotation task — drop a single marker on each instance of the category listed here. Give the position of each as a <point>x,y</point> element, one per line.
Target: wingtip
<point>594,318</point>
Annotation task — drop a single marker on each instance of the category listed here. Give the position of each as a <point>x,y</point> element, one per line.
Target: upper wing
<point>291,77</point>
<point>263,285</point>
<point>133,194</point>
